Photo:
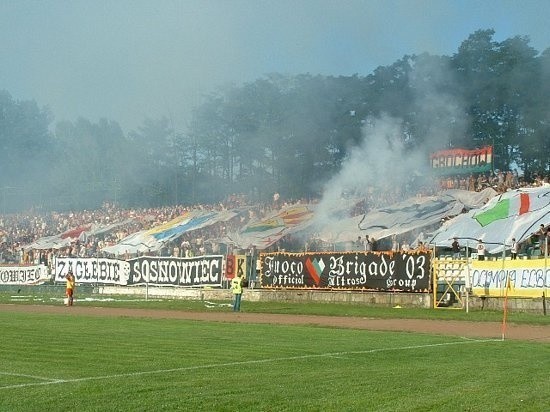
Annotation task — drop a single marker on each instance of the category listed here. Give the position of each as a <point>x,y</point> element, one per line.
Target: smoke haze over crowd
<point>385,161</point>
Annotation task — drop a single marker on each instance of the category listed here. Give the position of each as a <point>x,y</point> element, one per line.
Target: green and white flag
<point>514,214</point>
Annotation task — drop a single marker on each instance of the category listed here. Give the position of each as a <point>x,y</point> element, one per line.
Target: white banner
<point>93,270</point>
<point>23,275</point>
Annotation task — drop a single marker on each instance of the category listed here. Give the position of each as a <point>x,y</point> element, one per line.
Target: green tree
<point>499,82</point>
<point>91,162</point>
<point>534,137</point>
<point>26,152</point>
<point>151,163</point>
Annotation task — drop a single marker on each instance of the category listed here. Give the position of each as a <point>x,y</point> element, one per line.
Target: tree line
<point>282,133</point>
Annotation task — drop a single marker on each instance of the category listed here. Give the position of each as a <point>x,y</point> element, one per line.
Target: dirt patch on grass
<point>437,327</point>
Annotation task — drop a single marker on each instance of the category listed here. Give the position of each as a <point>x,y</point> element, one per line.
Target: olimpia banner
<point>24,275</point>
<point>462,161</point>
<point>407,272</point>
<point>522,278</point>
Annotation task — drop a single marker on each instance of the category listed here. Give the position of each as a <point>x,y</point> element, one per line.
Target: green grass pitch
<point>80,363</point>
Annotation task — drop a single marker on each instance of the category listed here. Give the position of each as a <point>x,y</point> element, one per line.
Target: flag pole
<point>467,281</point>
<point>545,269</point>
<point>507,287</point>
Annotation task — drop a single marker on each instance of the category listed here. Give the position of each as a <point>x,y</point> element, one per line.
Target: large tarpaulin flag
<point>152,239</point>
<point>504,208</point>
<point>514,214</point>
<point>72,235</point>
<point>264,232</point>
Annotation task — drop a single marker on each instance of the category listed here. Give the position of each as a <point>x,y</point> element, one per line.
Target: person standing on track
<point>237,289</point>
<point>69,291</point>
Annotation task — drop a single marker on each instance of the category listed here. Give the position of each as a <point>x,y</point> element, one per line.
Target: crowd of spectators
<point>499,180</point>
<point>17,231</point>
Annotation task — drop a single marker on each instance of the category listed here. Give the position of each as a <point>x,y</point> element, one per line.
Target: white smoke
<point>381,164</point>
<point>386,164</point>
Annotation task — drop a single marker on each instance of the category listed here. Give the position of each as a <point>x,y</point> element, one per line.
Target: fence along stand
<point>450,273</point>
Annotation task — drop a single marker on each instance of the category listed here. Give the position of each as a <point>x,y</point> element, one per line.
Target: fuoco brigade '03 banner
<point>196,271</point>
<point>409,272</point>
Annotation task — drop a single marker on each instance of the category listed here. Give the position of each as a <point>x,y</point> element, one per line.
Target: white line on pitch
<point>42,378</point>
<point>239,363</point>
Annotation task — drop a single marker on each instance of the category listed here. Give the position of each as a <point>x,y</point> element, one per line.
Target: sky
<point>128,60</point>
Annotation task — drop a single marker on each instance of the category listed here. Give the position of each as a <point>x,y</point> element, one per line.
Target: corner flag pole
<point>467,280</point>
<point>507,286</point>
<point>544,292</point>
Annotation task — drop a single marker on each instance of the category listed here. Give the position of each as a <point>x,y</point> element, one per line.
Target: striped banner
<point>462,161</point>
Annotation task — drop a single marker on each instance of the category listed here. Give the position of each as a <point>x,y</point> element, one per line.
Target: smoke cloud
<point>390,162</point>
<point>382,163</point>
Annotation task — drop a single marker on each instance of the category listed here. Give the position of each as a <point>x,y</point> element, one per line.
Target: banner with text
<point>23,275</point>
<point>408,272</point>
<point>172,271</point>
<point>516,278</point>
<point>462,161</point>
<point>235,264</point>
<point>93,270</point>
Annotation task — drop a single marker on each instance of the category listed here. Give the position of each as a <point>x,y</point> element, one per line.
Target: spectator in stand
<point>368,244</point>
<point>515,179</point>
<point>544,241</point>
<point>514,249</point>
<point>472,183</point>
<point>480,248</point>
<point>455,246</point>
<point>509,180</point>
<point>500,182</point>
<point>421,247</point>
<point>176,251</point>
<point>394,243</point>
<point>541,232</point>
<point>374,244</point>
